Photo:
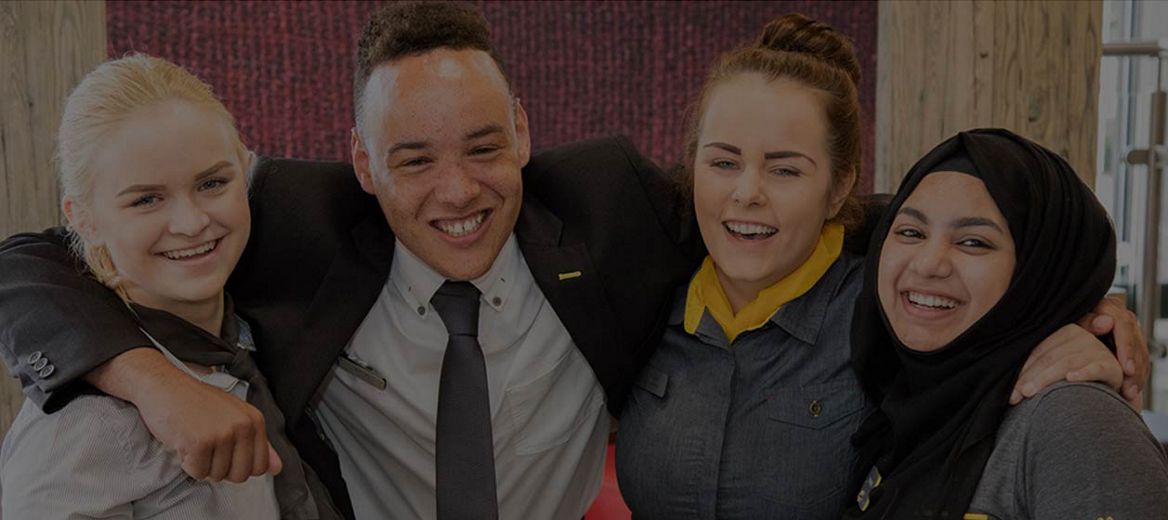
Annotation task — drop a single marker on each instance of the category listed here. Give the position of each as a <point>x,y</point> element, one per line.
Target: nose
<point>188,218</point>
<point>457,187</point>
<point>748,187</point>
<point>932,260</point>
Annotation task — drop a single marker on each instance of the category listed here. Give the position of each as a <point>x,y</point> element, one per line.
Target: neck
<point>739,292</point>
<point>205,314</point>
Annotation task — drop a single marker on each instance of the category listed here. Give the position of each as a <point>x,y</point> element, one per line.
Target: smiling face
<point>948,259</point>
<point>169,203</point>
<point>762,181</point>
<point>441,147</point>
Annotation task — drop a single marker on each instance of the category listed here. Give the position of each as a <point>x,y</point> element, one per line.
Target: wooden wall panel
<point>45,49</point>
<point>943,67</point>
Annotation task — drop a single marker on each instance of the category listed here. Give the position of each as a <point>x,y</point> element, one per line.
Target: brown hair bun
<point>799,34</point>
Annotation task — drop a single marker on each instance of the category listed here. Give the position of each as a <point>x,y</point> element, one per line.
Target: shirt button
<point>40,363</point>
<point>816,409</point>
<point>421,311</point>
<point>34,357</point>
<point>497,301</point>
<point>47,371</point>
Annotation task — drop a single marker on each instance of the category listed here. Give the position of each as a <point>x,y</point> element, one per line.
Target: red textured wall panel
<point>583,69</point>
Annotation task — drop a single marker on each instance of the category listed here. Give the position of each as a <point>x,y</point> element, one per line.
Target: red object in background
<point>609,505</point>
<point>582,69</point>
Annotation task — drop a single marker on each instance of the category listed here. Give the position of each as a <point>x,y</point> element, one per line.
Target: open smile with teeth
<point>930,301</point>
<point>185,254</point>
<point>749,230</point>
<point>462,227</point>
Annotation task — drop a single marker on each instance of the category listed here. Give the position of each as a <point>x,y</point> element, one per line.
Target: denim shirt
<point>759,428</point>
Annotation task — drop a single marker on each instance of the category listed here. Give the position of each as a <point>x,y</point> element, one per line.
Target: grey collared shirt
<point>755,429</point>
<point>95,458</point>
<point>548,417</point>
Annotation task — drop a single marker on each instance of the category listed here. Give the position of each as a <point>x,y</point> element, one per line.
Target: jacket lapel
<point>347,292</point>
<point>565,273</point>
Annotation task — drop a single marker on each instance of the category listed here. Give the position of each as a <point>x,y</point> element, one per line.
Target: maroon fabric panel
<point>582,69</point>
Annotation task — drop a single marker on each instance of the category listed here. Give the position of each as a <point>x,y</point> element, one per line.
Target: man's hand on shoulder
<point>217,436</point>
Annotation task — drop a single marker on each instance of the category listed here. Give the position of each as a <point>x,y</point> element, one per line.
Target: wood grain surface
<point>45,49</point>
<point>943,67</point>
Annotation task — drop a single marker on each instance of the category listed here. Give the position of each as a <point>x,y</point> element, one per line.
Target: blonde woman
<point>154,178</point>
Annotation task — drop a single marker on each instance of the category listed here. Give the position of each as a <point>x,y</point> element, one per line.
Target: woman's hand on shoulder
<point>1131,348</point>
<point>1071,353</point>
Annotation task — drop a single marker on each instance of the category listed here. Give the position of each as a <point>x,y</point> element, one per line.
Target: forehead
<point>441,86</point>
<point>954,193</point>
<point>158,141</point>
<point>773,114</point>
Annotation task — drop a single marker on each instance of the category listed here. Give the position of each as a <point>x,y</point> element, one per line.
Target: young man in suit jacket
<point>570,265</point>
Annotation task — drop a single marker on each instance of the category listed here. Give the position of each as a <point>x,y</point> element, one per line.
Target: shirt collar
<point>181,335</point>
<point>802,317</point>
<point>417,282</point>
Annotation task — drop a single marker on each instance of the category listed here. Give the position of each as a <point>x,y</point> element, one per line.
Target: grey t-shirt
<point>1074,451</point>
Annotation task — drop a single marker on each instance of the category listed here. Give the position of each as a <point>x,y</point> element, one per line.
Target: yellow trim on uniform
<point>705,291</point>
<point>975,516</point>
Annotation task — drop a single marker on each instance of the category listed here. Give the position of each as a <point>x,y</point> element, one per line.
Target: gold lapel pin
<point>571,275</point>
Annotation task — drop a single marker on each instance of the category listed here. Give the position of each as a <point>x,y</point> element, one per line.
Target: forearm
<point>135,374</point>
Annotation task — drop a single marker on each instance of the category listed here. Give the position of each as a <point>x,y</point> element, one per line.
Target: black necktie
<point>464,453</point>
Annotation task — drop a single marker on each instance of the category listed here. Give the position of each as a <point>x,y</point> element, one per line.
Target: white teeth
<point>743,228</point>
<point>931,301</point>
<point>179,254</point>
<point>462,227</point>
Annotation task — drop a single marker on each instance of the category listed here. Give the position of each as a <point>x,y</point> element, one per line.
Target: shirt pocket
<point>547,411</point>
<point>809,445</point>
<point>653,380</point>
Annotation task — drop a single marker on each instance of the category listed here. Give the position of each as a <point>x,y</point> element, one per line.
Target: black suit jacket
<point>320,253</point>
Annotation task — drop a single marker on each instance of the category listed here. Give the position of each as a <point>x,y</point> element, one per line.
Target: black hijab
<point>939,413</point>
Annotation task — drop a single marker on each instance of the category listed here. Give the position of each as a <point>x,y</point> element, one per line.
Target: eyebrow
<point>422,145</point>
<point>782,154</point>
<point>138,188</point>
<point>483,132</point>
<point>959,223</point>
<point>406,145</point>
<point>976,221</point>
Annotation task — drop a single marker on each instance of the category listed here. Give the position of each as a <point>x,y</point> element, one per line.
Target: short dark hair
<point>403,29</point>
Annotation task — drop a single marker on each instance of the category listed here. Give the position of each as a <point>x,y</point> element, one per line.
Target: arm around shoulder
<point>1089,455</point>
<point>56,324</point>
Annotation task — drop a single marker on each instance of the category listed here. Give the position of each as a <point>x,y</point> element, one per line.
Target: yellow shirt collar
<point>705,292</point>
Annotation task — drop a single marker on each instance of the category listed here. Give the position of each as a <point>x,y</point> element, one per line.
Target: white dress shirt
<point>549,423</point>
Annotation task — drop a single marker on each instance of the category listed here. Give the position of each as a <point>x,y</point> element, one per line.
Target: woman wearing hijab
<point>991,244</point>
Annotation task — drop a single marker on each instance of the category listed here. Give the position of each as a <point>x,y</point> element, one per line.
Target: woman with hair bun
<point>154,182</point>
<point>747,408</point>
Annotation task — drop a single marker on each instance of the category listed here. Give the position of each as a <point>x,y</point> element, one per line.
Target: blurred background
<point>1085,78</point>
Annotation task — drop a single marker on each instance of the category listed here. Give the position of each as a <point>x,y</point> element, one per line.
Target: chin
<point>922,342</point>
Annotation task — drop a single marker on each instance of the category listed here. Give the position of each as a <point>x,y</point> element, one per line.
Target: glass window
<point>1126,89</point>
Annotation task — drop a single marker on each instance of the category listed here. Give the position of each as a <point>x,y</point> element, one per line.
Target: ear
<point>522,134</point>
<point>361,162</point>
<point>79,221</point>
<point>840,191</point>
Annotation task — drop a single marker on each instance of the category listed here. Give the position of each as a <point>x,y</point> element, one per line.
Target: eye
<point>485,150</point>
<point>213,183</point>
<point>146,201</point>
<point>786,172</point>
<point>415,162</point>
<point>909,233</point>
<point>975,243</point>
<point>723,164</point>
